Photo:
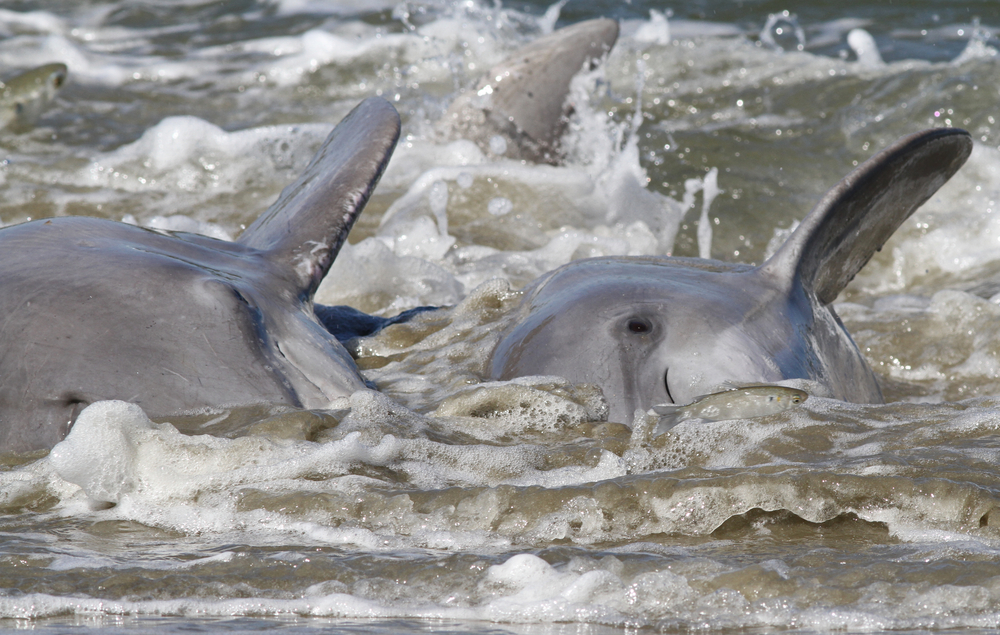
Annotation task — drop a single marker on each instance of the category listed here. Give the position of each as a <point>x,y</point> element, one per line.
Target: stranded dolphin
<point>92,309</point>
<point>654,330</point>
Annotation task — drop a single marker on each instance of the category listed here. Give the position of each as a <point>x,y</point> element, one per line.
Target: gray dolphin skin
<point>93,309</point>
<point>655,330</point>
<point>523,99</point>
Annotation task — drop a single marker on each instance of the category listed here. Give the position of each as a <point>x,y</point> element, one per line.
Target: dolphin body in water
<point>93,309</point>
<point>660,330</point>
<point>179,322</point>
<point>175,322</point>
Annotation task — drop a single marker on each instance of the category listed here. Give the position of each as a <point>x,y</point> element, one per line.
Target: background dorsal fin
<point>306,227</point>
<point>530,87</point>
<point>855,218</point>
<point>526,98</point>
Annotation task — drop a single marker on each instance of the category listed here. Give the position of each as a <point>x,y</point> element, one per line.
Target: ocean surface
<point>446,503</point>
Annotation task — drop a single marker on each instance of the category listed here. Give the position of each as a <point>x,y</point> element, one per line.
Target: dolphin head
<point>651,330</point>
<point>666,330</point>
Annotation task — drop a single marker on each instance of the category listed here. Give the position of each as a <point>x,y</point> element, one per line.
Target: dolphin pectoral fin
<point>855,218</point>
<point>347,323</point>
<point>306,227</point>
<point>320,367</point>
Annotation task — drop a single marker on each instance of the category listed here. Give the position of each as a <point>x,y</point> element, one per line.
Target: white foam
<point>663,28</point>
<point>40,21</point>
<point>832,32</point>
<point>182,151</point>
<point>499,206</point>
<point>394,274</point>
<point>603,201</point>
<point>342,8</point>
<point>153,474</point>
<point>99,454</point>
<point>656,31</point>
<point>781,30</point>
<point>865,48</point>
<point>547,21</point>
<point>90,560</point>
<point>498,145</point>
<point>87,63</point>
<point>295,57</point>
<point>978,47</point>
<point>31,481</point>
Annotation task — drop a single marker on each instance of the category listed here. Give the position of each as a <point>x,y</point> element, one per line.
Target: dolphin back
<point>308,224</point>
<point>855,218</point>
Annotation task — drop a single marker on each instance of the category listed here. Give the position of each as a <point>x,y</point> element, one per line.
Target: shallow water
<point>451,504</point>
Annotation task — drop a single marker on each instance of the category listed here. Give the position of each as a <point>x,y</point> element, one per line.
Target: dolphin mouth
<point>666,385</point>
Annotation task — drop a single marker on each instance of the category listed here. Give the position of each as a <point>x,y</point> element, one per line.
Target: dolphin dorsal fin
<point>526,98</point>
<point>308,224</point>
<point>530,87</point>
<point>855,218</point>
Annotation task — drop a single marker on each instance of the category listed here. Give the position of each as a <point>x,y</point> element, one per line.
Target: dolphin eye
<point>639,325</point>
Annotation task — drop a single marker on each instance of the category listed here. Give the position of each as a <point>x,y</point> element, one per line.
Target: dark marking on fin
<point>308,224</point>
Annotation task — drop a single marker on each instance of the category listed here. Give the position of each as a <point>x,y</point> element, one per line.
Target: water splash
<point>865,48</point>
<point>782,31</point>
